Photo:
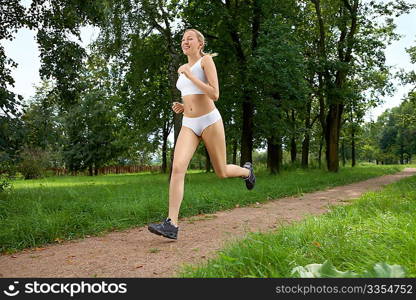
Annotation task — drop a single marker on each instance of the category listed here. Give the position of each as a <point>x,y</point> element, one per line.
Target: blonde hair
<point>201,38</point>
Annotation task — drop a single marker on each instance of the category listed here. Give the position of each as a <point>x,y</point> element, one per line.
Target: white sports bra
<point>186,86</point>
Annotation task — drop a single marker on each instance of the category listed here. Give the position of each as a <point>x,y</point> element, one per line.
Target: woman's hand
<point>185,69</point>
<point>177,107</point>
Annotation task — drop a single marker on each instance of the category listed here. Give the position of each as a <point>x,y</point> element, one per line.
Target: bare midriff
<point>197,105</point>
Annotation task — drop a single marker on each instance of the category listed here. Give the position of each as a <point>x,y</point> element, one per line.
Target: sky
<point>397,56</point>
<point>24,51</point>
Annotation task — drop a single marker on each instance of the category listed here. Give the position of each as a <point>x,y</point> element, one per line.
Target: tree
<point>345,31</point>
<point>132,27</point>
<point>277,70</point>
<point>62,58</point>
<point>12,17</point>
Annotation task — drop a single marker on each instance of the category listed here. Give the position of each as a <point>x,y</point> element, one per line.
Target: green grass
<point>377,227</point>
<point>36,212</point>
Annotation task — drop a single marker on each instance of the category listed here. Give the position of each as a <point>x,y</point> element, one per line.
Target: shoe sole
<point>250,186</point>
<point>152,230</point>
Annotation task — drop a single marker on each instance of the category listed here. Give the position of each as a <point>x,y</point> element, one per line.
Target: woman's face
<point>190,44</point>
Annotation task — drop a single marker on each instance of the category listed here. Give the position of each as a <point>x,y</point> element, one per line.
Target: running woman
<point>198,83</point>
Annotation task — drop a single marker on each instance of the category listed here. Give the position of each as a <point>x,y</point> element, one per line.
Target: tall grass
<point>36,212</point>
<point>378,227</point>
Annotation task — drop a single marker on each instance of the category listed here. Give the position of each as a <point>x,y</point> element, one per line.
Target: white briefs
<point>198,124</point>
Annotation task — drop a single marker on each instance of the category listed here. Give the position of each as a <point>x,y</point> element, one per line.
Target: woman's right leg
<point>185,148</point>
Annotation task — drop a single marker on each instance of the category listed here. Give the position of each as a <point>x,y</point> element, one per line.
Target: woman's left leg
<point>214,140</point>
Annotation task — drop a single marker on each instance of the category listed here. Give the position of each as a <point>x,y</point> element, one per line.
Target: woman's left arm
<point>212,88</point>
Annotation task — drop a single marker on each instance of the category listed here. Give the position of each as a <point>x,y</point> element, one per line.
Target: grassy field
<point>36,212</point>
<point>377,227</point>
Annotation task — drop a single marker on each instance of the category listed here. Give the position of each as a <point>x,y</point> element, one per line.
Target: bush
<point>34,162</point>
<point>4,183</point>
<point>7,171</point>
<point>388,158</point>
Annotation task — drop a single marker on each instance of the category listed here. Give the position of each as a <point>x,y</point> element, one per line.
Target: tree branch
<point>342,36</point>
<point>348,53</point>
<point>347,5</point>
<point>313,121</point>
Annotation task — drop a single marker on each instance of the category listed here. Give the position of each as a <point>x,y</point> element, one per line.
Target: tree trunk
<point>322,113</point>
<point>208,161</point>
<point>164,151</point>
<point>401,152</point>
<point>273,156</point>
<point>90,170</point>
<point>248,106</point>
<point>173,65</point>
<point>333,122</point>
<point>172,151</point>
<point>306,138</point>
<point>321,144</point>
<point>293,149</point>
<point>247,133</point>
<point>305,150</point>
<point>352,146</point>
<point>336,105</point>
<point>343,152</point>
<point>235,145</point>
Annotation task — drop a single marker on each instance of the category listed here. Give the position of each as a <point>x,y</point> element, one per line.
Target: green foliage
<point>383,270</point>
<point>4,183</point>
<point>327,270</point>
<point>111,102</point>
<point>12,18</point>
<point>397,133</point>
<point>8,171</point>
<point>62,60</point>
<point>41,122</point>
<point>278,69</point>
<point>33,163</point>
<point>324,270</point>
<point>146,106</point>
<point>93,122</point>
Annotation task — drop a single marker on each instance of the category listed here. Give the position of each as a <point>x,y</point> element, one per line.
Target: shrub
<point>7,171</point>
<point>34,162</point>
<point>4,183</point>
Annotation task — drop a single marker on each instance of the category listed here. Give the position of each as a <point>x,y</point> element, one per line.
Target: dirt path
<point>138,253</point>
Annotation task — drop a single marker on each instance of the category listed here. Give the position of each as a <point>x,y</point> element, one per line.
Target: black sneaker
<point>166,229</point>
<point>251,179</point>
